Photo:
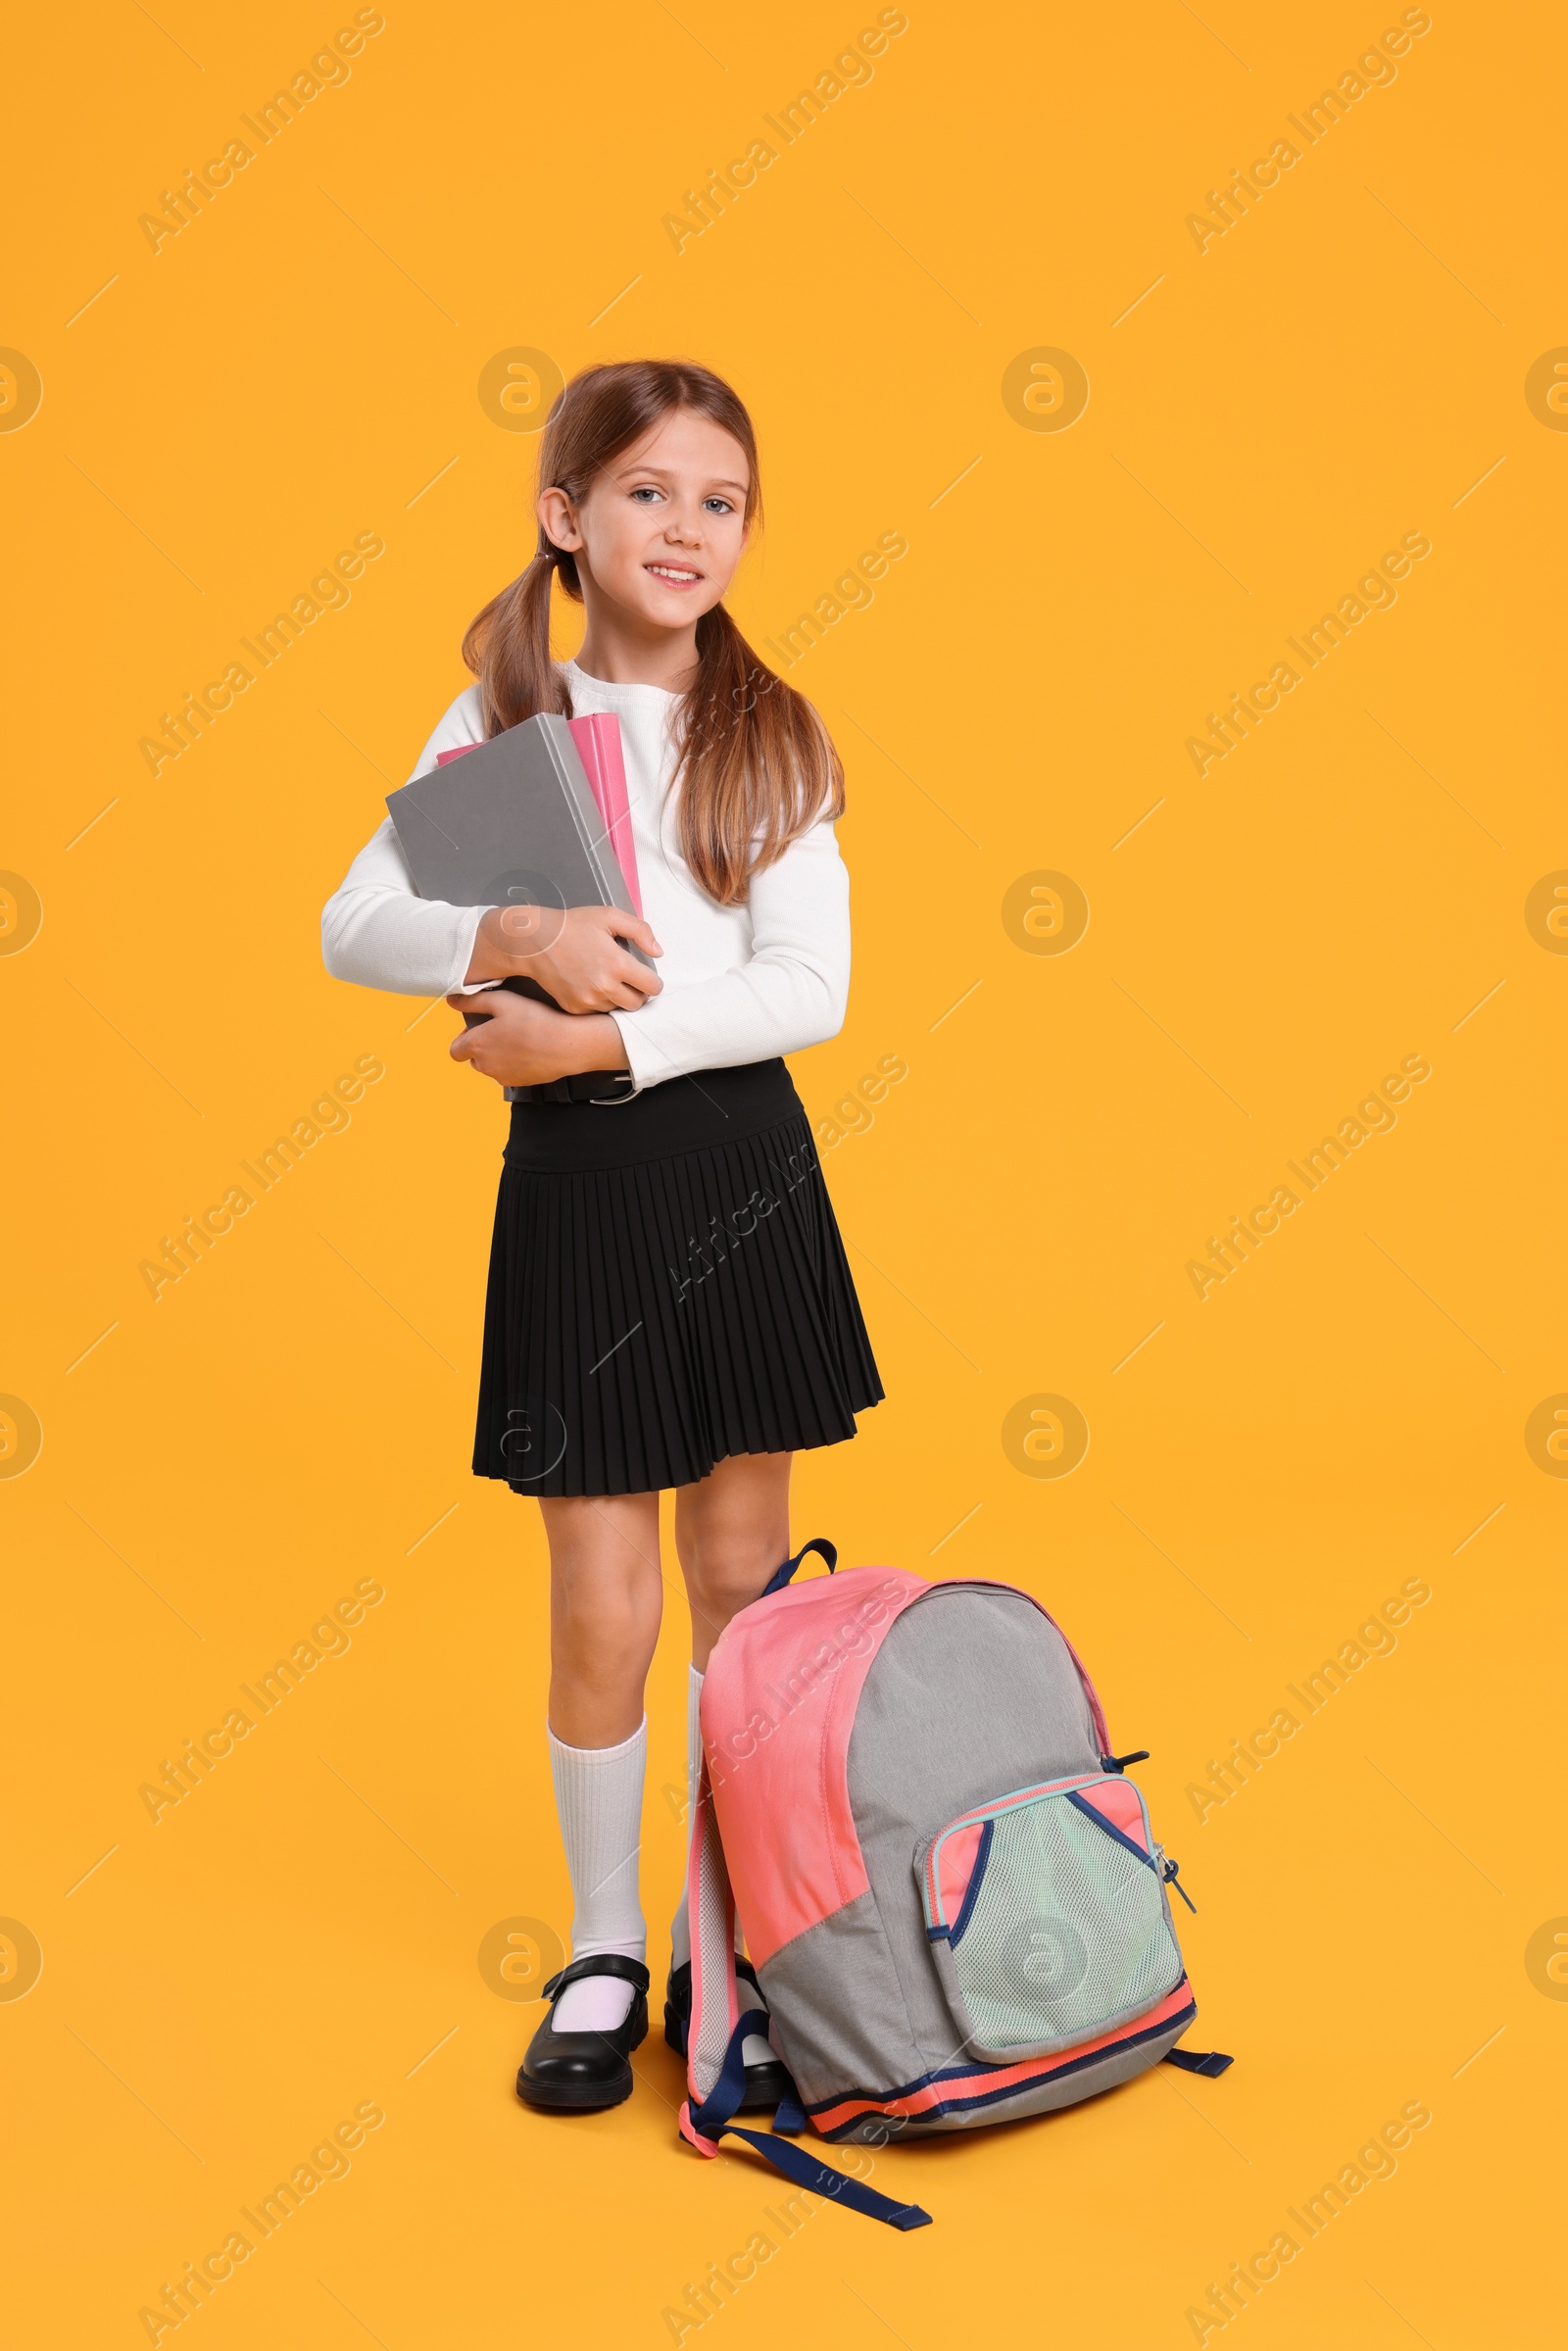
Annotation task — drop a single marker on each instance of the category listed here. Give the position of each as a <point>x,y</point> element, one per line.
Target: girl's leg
<point>732,1529</point>
<point>605,1602</point>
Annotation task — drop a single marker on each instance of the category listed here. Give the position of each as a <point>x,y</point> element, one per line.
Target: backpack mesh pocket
<point>1048,1919</point>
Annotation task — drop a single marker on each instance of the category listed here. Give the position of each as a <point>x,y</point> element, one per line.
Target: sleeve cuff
<point>468,933</point>
<point>639,1061</point>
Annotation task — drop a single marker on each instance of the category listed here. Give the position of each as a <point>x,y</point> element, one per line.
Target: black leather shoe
<point>765,2085</point>
<point>584,2071</point>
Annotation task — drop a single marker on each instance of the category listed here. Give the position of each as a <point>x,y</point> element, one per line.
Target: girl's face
<point>661,529</point>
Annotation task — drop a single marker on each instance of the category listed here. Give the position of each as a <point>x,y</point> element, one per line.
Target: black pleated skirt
<point>668,1287</point>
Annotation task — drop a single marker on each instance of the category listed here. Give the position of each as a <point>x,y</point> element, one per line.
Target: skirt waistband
<point>682,1114</point>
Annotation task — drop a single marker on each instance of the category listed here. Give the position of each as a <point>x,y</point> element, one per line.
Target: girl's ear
<point>556,512</point>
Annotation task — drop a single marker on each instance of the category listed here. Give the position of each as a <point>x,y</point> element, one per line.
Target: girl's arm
<point>791,994</point>
<point>377,931</point>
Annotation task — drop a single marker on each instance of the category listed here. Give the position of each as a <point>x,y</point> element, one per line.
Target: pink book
<point>598,741</point>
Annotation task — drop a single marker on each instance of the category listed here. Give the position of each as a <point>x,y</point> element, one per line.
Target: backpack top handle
<point>785,1574</point>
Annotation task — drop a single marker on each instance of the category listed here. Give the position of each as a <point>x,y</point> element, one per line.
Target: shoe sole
<point>588,2099</point>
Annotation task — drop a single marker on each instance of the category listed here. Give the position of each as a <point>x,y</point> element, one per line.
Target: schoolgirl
<point>669,1302</point>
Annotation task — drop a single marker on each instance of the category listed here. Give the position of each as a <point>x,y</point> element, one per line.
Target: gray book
<point>513,822</point>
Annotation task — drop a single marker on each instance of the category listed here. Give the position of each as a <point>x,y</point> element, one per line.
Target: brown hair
<point>756,765</point>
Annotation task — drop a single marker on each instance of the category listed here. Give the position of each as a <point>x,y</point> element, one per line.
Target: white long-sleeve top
<point>740,983</point>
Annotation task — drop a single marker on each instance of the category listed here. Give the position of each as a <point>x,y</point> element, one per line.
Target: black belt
<point>690,1113</point>
<point>591,1086</point>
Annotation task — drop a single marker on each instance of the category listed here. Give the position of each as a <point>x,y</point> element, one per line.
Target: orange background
<point>1264,1467</point>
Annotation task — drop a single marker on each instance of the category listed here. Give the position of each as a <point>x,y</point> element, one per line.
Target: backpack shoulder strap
<point>715,2011</point>
<point>715,2046</point>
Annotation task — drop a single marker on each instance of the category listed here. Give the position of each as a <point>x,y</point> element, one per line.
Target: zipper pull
<point>1167,1872</point>
<point>1119,1763</point>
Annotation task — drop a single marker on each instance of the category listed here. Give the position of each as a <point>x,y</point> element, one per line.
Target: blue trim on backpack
<point>956,2073</point>
<point>1093,1812</point>
<point>782,1576</point>
<point>981,1855</point>
<point>1167,1872</point>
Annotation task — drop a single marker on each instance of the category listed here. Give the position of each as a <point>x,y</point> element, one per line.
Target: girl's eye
<point>647,494</point>
<point>718,506</point>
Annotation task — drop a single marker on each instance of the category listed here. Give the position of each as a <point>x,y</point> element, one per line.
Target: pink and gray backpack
<point>951,1892</point>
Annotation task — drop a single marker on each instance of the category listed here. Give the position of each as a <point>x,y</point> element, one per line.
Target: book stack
<point>536,816</point>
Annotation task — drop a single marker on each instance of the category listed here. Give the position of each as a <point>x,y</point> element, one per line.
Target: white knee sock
<point>756,2049</point>
<point>599,1798</point>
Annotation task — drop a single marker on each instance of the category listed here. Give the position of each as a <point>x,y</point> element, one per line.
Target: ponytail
<point>756,766</point>
<point>507,646</point>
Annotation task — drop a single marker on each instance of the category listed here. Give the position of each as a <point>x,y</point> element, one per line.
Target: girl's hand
<point>517,1042</point>
<point>572,953</point>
